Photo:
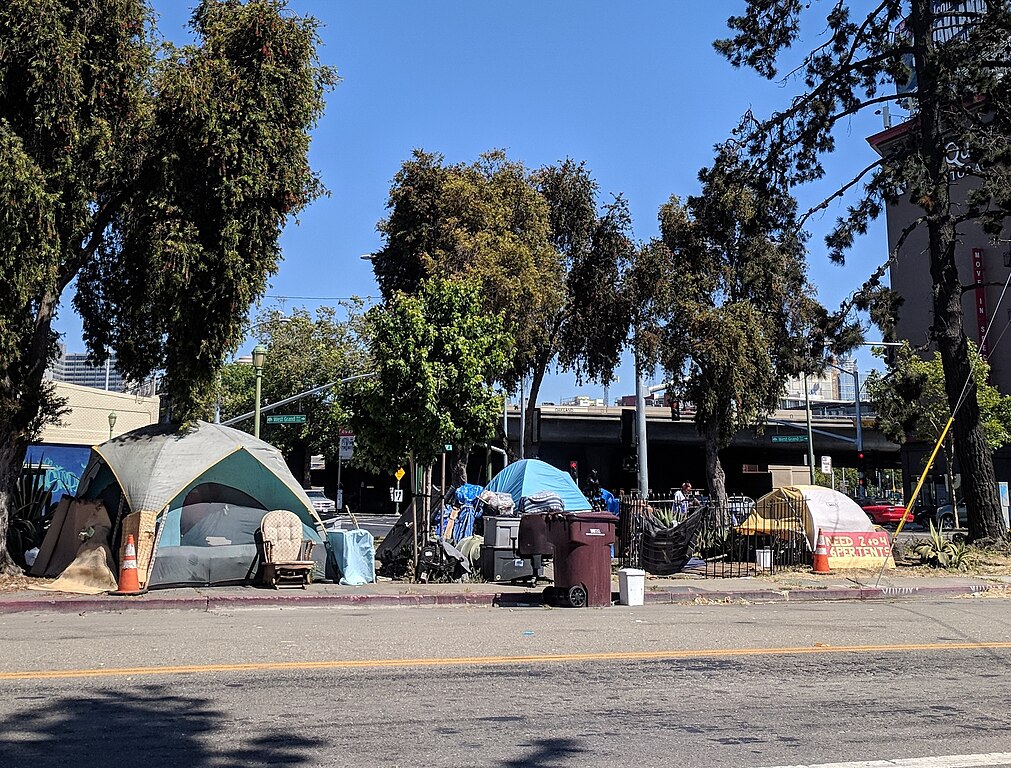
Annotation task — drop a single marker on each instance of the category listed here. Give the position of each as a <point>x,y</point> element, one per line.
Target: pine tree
<point>950,58</point>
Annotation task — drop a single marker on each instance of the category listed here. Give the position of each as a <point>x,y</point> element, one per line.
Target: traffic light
<point>574,470</point>
<point>861,471</point>
<point>628,436</point>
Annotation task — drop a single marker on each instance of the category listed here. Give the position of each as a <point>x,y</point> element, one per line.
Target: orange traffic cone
<point>129,584</point>
<point>820,564</point>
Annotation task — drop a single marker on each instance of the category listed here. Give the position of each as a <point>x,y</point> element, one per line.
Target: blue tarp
<point>355,556</point>
<point>467,492</point>
<point>611,503</point>
<point>463,526</point>
<point>528,476</point>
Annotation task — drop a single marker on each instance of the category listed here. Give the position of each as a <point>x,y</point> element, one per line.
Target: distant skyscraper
<point>847,382</point>
<point>73,368</point>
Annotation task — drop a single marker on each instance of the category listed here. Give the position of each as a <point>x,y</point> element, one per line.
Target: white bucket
<point>631,586</point>
<point>763,559</point>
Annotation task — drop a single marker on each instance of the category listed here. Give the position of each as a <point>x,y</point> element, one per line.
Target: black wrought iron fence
<point>662,537</point>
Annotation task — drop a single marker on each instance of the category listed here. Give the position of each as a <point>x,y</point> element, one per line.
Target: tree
<point>305,351</point>
<point>590,328</point>
<point>155,178</point>
<point>951,59</point>
<point>543,255</point>
<point>725,307</point>
<point>435,354</point>
<point>912,404</point>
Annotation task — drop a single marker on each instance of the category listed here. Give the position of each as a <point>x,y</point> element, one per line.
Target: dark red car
<point>886,513</point>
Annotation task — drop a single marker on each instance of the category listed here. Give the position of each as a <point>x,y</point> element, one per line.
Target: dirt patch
<point>15,582</point>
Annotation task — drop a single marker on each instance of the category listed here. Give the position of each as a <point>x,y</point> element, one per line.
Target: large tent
<point>194,497</point>
<point>530,476</point>
<point>804,510</point>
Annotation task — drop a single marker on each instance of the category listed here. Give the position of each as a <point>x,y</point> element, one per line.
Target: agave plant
<point>30,517</point>
<point>662,517</point>
<point>940,552</point>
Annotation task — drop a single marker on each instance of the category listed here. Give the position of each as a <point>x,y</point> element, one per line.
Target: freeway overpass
<point>592,437</point>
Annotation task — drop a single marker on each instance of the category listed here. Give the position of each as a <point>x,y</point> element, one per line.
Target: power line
<point>320,298</point>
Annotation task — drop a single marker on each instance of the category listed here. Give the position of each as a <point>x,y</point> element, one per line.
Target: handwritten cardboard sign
<point>858,549</point>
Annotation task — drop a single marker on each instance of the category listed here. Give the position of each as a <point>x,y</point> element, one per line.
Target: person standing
<point>681,497</point>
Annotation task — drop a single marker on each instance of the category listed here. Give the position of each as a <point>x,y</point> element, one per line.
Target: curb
<point>671,596</point>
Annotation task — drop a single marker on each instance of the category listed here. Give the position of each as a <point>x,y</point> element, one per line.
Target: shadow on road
<point>148,728</point>
<point>547,752</point>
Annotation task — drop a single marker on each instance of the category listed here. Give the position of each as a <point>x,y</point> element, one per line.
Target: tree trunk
<point>22,395</point>
<point>458,475</point>
<point>715,477</point>
<point>979,483</point>
<point>528,428</point>
<point>12,455</point>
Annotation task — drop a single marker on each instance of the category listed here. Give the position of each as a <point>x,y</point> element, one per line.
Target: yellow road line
<point>501,660</point>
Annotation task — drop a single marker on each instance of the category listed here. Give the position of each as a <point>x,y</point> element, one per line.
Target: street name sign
<point>789,438</point>
<point>287,418</point>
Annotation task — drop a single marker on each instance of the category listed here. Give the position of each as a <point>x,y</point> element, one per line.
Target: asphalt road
<point>723,685</point>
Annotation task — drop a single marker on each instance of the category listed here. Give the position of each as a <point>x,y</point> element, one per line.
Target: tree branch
<point>838,193</point>
<point>101,221</point>
<point>817,93</point>
<point>847,305</point>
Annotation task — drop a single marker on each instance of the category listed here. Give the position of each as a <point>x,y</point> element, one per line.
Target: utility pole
<point>640,431</point>
<point>810,434</point>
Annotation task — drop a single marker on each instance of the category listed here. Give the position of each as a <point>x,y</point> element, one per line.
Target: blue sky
<point>633,89</point>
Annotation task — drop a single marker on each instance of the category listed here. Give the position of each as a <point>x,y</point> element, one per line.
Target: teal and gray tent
<point>529,476</point>
<point>209,485</point>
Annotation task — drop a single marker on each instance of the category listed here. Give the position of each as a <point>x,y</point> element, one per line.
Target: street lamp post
<point>259,356</point>
<point>112,422</point>
<point>810,433</point>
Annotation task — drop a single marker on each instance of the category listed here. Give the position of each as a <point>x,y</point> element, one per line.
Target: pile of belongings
<point>495,504</point>
<point>541,502</point>
<point>455,522</point>
<point>439,562</point>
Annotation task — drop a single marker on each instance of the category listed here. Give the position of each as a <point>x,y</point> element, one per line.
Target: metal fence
<point>655,534</point>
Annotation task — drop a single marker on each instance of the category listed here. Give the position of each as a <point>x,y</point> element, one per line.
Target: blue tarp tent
<point>530,476</point>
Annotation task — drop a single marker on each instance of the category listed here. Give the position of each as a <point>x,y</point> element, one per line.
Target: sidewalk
<point>790,587</point>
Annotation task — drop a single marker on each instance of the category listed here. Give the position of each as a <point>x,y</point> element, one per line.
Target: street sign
<point>347,446</point>
<point>789,438</point>
<point>287,418</point>
<point>826,465</point>
<point>399,474</point>
<point>396,494</point>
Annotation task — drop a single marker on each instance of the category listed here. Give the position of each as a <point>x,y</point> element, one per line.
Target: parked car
<point>324,506</point>
<point>943,516</point>
<point>740,507</point>
<point>883,512</point>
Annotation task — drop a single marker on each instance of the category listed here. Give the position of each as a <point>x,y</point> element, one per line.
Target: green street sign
<point>287,418</point>
<point>789,438</point>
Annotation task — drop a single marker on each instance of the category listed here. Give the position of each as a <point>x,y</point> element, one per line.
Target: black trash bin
<point>582,550</point>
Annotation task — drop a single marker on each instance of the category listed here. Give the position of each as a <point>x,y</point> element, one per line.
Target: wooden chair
<point>287,557</point>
